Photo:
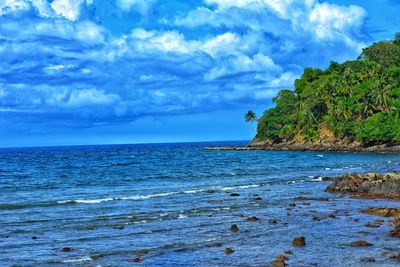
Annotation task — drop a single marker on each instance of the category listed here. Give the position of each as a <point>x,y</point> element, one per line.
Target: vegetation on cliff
<point>358,100</point>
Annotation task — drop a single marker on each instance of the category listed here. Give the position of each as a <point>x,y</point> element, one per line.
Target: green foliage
<point>356,100</point>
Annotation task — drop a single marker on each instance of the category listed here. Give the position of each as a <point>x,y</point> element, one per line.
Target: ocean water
<point>171,205</point>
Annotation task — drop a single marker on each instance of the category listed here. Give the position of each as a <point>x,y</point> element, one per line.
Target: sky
<point>78,72</point>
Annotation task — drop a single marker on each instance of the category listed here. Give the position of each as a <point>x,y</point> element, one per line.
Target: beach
<point>182,205</point>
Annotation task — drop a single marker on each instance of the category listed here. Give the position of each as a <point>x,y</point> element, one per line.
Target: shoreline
<point>318,147</point>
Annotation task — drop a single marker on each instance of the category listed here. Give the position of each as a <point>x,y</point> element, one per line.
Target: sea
<point>174,205</point>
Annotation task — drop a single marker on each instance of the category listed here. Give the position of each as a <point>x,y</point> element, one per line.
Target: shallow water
<point>170,205</point>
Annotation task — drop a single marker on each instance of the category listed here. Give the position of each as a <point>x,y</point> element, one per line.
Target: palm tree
<point>250,117</point>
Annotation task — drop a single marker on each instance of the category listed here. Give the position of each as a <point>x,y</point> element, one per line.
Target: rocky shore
<point>320,146</point>
<point>372,185</point>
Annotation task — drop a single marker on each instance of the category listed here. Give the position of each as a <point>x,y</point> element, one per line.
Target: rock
<point>395,257</point>
<point>299,241</point>
<point>34,237</point>
<point>332,216</point>
<point>234,228</point>
<point>235,195</point>
<point>370,185</point>
<point>368,259</point>
<point>282,258</point>
<point>372,225</point>
<point>66,249</point>
<point>289,252</point>
<point>301,198</point>
<point>218,245</point>
<point>253,219</point>
<point>360,243</point>
<point>396,231</point>
<point>292,205</point>
<point>327,179</point>
<point>137,259</point>
<point>387,212</point>
<point>316,219</point>
<point>257,198</point>
<point>278,263</point>
<point>228,251</point>
<point>273,222</point>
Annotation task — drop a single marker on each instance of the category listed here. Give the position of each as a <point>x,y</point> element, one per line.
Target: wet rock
<point>235,195</point>
<point>396,231</point>
<point>282,258</point>
<point>301,198</point>
<point>253,219</point>
<point>257,198</point>
<point>370,185</point>
<point>395,257</point>
<point>316,219</point>
<point>278,263</point>
<point>368,259</point>
<point>299,241</point>
<point>326,179</point>
<point>34,237</point>
<point>289,252</point>
<point>332,216</point>
<point>228,251</point>
<point>218,245</point>
<point>292,205</point>
<point>137,259</point>
<point>372,225</point>
<point>234,228</point>
<point>66,249</point>
<point>273,222</point>
<point>387,212</point>
<point>360,243</point>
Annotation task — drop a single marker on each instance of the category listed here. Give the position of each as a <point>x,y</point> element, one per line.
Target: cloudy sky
<point>133,71</point>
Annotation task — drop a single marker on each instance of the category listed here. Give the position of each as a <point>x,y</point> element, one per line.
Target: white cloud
<point>69,9</point>
<point>10,6</point>
<point>141,6</point>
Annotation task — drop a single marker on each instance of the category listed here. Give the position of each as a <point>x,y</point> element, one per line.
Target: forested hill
<point>358,100</point>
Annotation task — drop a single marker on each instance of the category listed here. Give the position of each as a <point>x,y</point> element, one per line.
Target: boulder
<point>278,263</point>
<point>234,228</point>
<point>299,241</point>
<point>228,251</point>
<point>370,184</point>
<point>360,243</point>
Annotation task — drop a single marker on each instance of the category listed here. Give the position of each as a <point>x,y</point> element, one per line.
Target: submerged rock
<point>278,263</point>
<point>387,212</point>
<point>370,185</point>
<point>282,258</point>
<point>253,219</point>
<point>360,243</point>
<point>299,241</point>
<point>234,228</point>
<point>301,198</point>
<point>235,195</point>
<point>66,249</point>
<point>228,251</point>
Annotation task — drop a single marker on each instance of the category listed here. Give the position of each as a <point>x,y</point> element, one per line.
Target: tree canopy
<point>357,100</point>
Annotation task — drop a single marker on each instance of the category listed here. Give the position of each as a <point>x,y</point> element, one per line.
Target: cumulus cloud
<point>63,61</point>
<point>141,6</point>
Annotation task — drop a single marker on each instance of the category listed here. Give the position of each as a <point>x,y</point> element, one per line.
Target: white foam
<point>78,260</point>
<point>319,179</point>
<point>327,169</point>
<point>181,216</point>
<point>320,156</point>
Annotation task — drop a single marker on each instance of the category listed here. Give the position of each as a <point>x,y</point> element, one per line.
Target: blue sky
<point>134,71</point>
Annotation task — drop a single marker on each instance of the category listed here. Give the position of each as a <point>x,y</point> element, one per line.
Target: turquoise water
<point>170,205</point>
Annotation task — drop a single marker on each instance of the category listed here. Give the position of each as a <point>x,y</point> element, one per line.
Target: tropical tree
<point>250,117</point>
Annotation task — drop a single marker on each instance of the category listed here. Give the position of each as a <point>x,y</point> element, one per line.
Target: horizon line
<point>123,144</point>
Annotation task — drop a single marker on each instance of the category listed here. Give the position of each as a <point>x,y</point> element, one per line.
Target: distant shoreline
<point>315,147</point>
